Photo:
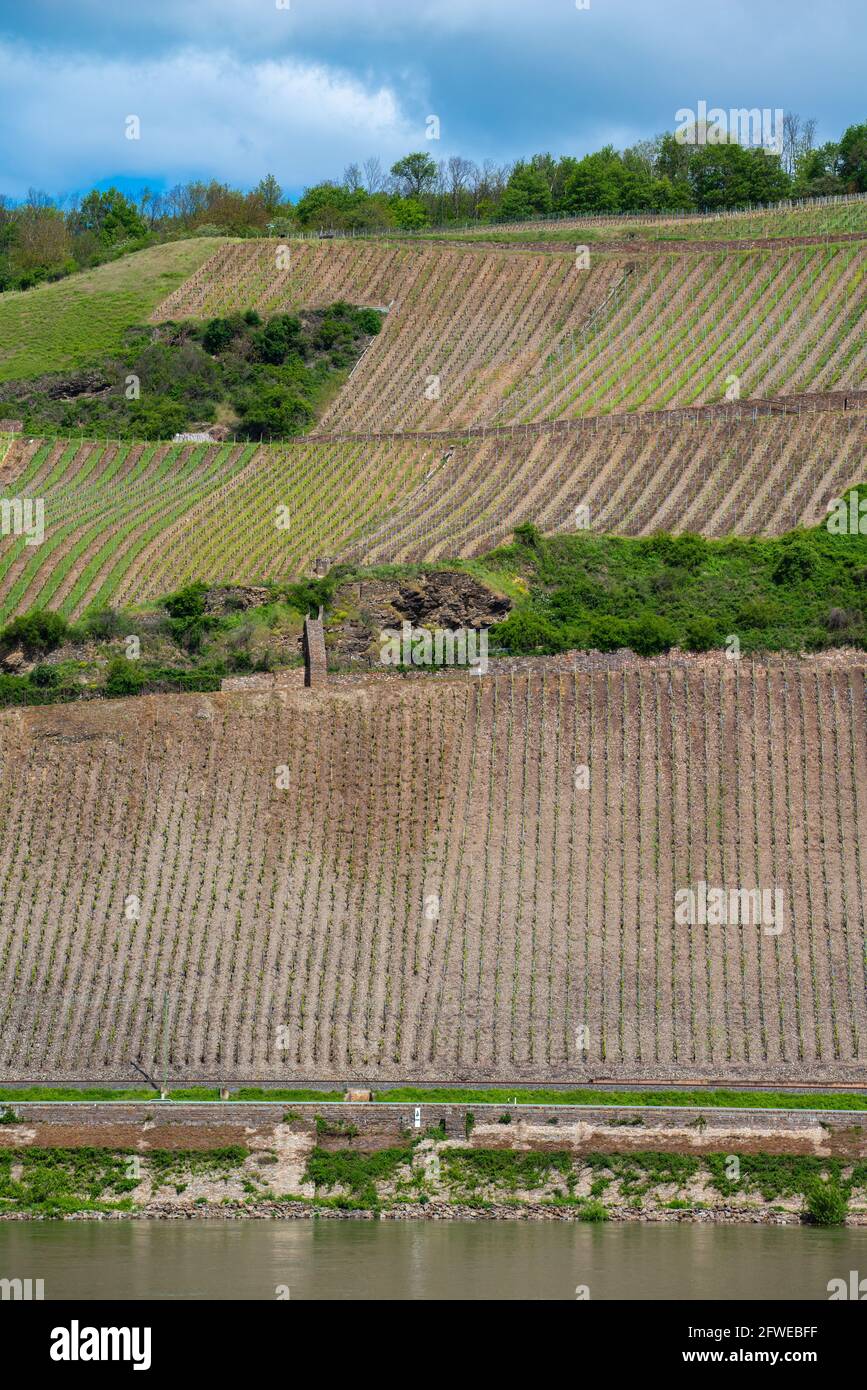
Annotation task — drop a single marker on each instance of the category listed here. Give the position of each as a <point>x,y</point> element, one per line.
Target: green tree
<point>416,173</point>
<point>270,192</point>
<point>527,194</point>
<point>271,410</point>
<point>852,159</point>
<point>409,213</point>
<point>110,216</point>
<point>600,183</point>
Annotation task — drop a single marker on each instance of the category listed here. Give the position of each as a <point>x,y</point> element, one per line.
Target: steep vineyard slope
<point>463,325</point>
<point>692,327</point>
<point>128,522</point>
<point>702,470</point>
<point>494,334</point>
<point>408,880</point>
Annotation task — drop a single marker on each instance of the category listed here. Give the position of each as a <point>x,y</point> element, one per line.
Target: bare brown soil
<point>405,880</point>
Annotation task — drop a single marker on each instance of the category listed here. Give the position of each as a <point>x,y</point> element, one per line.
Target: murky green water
<point>426,1260</point>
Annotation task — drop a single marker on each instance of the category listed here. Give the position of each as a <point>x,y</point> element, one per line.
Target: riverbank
<point>442,1211</point>
<point>431,1162</point>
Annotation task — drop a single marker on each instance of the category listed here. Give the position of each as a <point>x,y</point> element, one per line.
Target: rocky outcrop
<point>448,599</point>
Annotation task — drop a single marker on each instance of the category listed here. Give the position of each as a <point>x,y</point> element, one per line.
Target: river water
<point>426,1260</point>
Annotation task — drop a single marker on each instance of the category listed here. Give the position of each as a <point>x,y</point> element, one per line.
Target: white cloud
<point>201,114</point>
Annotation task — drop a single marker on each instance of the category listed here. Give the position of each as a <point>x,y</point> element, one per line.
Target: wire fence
<point>589,219</point>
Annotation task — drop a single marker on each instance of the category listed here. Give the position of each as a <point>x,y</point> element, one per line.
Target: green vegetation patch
<point>805,590</point>
<point>722,1099</point>
<point>469,1170</point>
<point>360,1173</point>
<point>782,1175</point>
<point>54,1182</point>
<point>169,1165</point>
<point>262,379</point>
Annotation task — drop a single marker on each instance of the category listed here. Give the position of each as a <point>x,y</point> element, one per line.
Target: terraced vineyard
<point>463,325</point>
<point>777,322</point>
<point>499,335</point>
<point>435,894</point>
<point>130,522</point>
<point>705,471</point>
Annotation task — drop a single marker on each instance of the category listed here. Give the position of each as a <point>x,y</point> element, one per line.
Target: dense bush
<point>45,677</point>
<point>37,632</point>
<point>124,678</point>
<point>273,376</point>
<point>188,621</point>
<point>803,591</point>
<point>827,1204</point>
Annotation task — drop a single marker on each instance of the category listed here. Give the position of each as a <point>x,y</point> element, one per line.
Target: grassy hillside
<point>68,323</point>
<point>426,892</point>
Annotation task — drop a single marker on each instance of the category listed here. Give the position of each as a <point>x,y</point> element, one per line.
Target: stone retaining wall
<point>175,1125</point>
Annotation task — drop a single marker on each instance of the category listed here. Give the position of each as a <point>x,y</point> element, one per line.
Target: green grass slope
<point>69,322</point>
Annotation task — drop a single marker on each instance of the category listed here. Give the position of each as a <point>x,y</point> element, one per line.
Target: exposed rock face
<point>89,381</point>
<point>232,598</point>
<point>15,662</point>
<point>449,599</point>
<point>443,599</point>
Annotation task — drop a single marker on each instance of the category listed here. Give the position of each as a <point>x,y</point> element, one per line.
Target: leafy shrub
<point>592,1211</point>
<point>188,621</point>
<point>685,552</point>
<point>608,634</point>
<point>45,677</point>
<point>219,333</point>
<point>528,535</point>
<point>649,635</point>
<point>271,411</point>
<point>102,624</point>
<point>700,635</point>
<point>37,632</point>
<point>795,563</point>
<point>369,321</point>
<point>159,418</point>
<point>526,631</point>
<point>826,1203</point>
<point>123,678</point>
<point>757,613</point>
<point>280,336</point>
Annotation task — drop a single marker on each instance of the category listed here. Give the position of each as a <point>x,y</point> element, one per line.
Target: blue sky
<point>233,89</point>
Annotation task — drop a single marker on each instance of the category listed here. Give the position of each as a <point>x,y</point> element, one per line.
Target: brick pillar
<point>315,662</point>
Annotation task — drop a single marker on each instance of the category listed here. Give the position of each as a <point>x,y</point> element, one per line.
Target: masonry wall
<point>207,1125</point>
